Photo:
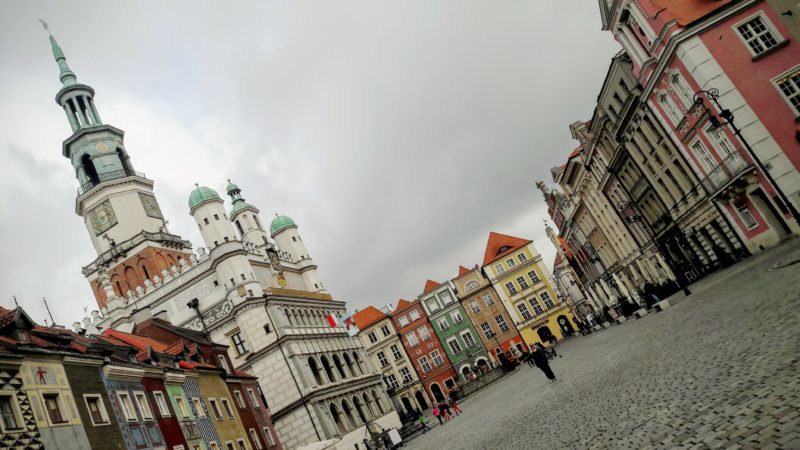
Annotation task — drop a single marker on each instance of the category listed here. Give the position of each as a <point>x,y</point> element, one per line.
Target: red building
<point>743,53</point>
<point>167,419</point>
<point>427,355</point>
<point>253,410</point>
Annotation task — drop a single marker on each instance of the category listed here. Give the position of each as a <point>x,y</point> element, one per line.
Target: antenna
<point>15,300</point>
<point>53,321</point>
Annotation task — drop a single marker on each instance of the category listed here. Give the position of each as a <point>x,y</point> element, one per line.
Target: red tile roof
<point>430,285</point>
<point>194,365</point>
<point>462,271</point>
<point>367,317</point>
<point>402,304</point>
<point>687,11</point>
<point>575,152</point>
<point>500,245</point>
<point>139,342</point>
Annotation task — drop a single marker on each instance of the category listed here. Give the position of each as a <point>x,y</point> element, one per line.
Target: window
<point>414,315</point>
<point>178,447</point>
<point>403,320</point>
<point>501,322</point>
<point>537,308</point>
<point>385,330</point>
<point>534,277</point>
<point>412,339</point>
<point>473,305</point>
<point>253,399</point>
<point>198,406</point>
<point>703,156</point>
<point>239,400</point>
<point>512,290</point>
<point>548,302</point>
<point>455,347</point>
<point>433,305</point>
<point>499,269</point>
<point>229,446</point>
<point>406,374</point>
<point>487,330</point>
<point>445,297</point>
<point>522,258</point>
<point>669,108</point>
<point>241,444</point>
<point>161,403</point>
<point>443,323</point>
<point>758,34</point>
<point>205,220</point>
<point>382,359</point>
<point>523,310</point>
<point>216,216</point>
<point>487,298</point>
<point>10,415</point>
<point>789,86</point>
<point>215,408</point>
<point>472,285</point>
<point>424,333</point>
<point>54,406</point>
<point>224,364</point>
<point>511,263</point>
<point>424,364</point>
<point>437,358</point>
<point>396,352</point>
<point>391,381</point>
<point>144,405</point>
<point>96,408</point>
<point>127,406</point>
<point>723,145</point>
<point>214,446</point>
<point>680,85</point>
<point>238,343</point>
<point>227,407</point>
<point>456,315</point>
<point>254,438</point>
<point>270,439</point>
<point>469,340</point>
<point>523,283</point>
<point>372,337</point>
<point>184,412</point>
<point>747,216</point>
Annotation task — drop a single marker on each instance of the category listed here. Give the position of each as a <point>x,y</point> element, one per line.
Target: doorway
<point>438,395</point>
<point>770,214</point>
<point>407,405</point>
<point>421,400</point>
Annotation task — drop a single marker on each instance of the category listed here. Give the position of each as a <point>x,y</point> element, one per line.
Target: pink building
<point>741,50</point>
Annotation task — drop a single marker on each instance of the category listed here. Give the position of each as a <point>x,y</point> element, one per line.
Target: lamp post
<point>635,217</point>
<point>727,119</point>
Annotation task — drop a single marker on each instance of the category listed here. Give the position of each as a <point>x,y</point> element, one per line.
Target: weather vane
<point>44,24</point>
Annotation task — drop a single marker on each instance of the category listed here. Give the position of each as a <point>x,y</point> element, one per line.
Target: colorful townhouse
<point>490,318</point>
<point>426,353</point>
<point>522,281</point>
<point>456,333</point>
<point>388,355</point>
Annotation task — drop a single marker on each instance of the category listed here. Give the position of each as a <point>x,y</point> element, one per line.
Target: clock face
<point>102,217</point>
<point>150,206</point>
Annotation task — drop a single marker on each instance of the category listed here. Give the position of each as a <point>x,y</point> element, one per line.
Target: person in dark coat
<point>540,359</point>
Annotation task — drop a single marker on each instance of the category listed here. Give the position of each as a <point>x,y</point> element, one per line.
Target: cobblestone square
<point>717,369</point>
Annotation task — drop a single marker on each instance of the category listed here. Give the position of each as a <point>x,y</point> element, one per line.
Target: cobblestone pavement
<point>720,368</point>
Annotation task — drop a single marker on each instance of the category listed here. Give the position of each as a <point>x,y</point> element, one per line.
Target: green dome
<point>279,223</point>
<point>201,194</point>
<point>231,187</point>
<point>238,206</point>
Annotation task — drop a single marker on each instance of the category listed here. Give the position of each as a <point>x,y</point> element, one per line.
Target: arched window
<point>359,362</point>
<point>359,405</point>
<point>350,365</point>
<point>89,169</point>
<point>258,222</point>
<point>348,412</point>
<point>368,404</point>
<point>327,366</point>
<point>338,419</point>
<point>239,228</point>
<point>338,363</point>
<point>312,364</point>
<point>471,285</point>
<point>378,402</point>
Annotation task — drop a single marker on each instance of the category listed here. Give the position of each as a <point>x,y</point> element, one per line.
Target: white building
<point>263,297</point>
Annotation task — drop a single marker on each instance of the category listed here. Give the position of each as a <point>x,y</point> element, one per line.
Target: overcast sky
<point>396,134</point>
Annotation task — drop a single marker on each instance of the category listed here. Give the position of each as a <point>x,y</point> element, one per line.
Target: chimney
<point>141,315</point>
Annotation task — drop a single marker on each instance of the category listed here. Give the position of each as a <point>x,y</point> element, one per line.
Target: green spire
<point>236,198</point>
<point>66,75</point>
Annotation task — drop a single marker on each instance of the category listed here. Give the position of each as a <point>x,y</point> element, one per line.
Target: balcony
<point>731,168</point>
<point>108,176</point>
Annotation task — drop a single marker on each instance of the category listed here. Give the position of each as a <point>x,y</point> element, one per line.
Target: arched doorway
<point>544,333</point>
<point>407,405</point>
<point>438,395</point>
<point>89,170</point>
<point>421,400</point>
<point>483,365</point>
<point>566,327</point>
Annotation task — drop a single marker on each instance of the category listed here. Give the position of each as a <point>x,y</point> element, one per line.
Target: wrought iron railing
<point>108,176</point>
<point>731,167</point>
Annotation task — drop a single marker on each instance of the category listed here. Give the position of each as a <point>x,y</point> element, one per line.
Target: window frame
<point>144,407</point>
<point>372,337</point>
<point>385,330</point>
<point>423,361</point>
<point>127,406</point>
<point>270,437</point>
<point>253,399</point>
<point>523,283</point>
<point>787,75</point>
<point>242,444</point>
<point>769,28</point>
<point>510,288</point>
<point>412,315</point>
<point>396,353</point>
<point>457,344</point>
<point>488,300</point>
<point>511,263</point>
<point>742,217</point>
<point>501,323</point>
<point>412,339</point>
<point>456,316</point>
<point>403,321</point>
<point>214,407</point>
<point>522,306</point>
<point>443,323</point>
<point>382,359</point>
<point>463,335</point>
<point>427,334</point>
<point>499,269</point>
<point>473,305</point>
<point>160,395</point>
<point>240,402</point>
<point>198,405</point>
<point>487,330</point>
<point>438,356</point>
<point>254,437</point>
<point>16,413</point>
<point>406,379</point>
<point>522,257</point>
<point>226,406</point>
<point>233,337</point>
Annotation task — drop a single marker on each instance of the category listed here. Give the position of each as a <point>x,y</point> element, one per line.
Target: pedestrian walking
<point>443,411</point>
<point>423,423</point>
<point>540,359</point>
<point>454,405</point>
<point>553,341</point>
<point>438,414</point>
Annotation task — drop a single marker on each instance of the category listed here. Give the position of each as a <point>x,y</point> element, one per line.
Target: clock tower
<point>122,216</point>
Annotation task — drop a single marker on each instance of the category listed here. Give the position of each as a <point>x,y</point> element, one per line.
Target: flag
<point>333,321</point>
<point>350,324</point>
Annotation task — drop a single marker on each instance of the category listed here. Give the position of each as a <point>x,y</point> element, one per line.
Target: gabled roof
<point>462,271</point>
<point>402,304</point>
<point>430,285</point>
<point>687,11</point>
<point>139,342</point>
<point>575,152</point>
<point>500,245</point>
<point>367,317</point>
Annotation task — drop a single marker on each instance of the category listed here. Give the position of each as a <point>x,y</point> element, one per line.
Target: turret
<point>284,232</point>
<point>245,218</point>
<point>208,211</point>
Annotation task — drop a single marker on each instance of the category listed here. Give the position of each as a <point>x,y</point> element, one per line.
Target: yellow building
<point>522,282</point>
<point>221,409</point>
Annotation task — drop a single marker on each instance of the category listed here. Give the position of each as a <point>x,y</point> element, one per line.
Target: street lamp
<point>727,119</point>
<point>634,217</point>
